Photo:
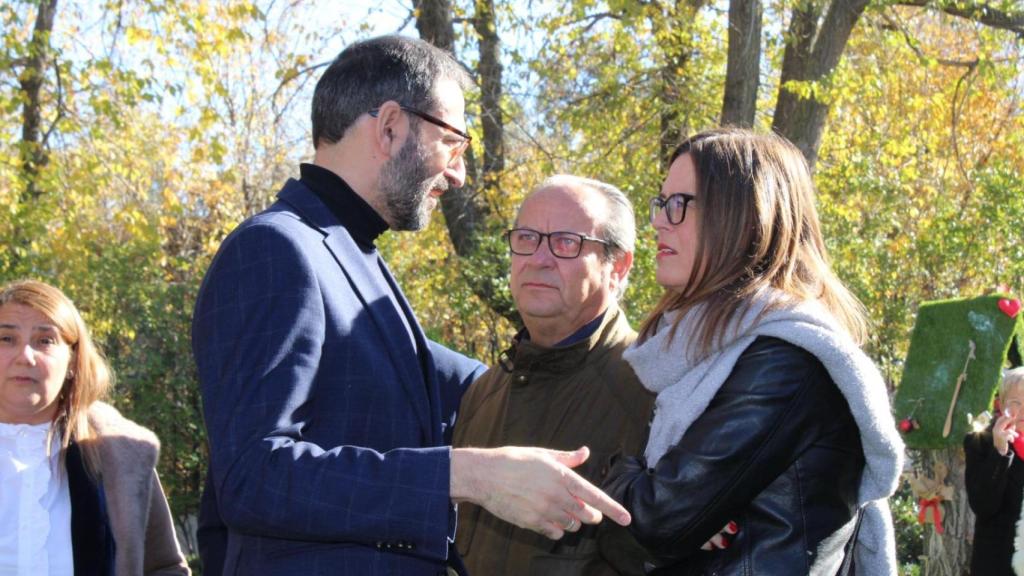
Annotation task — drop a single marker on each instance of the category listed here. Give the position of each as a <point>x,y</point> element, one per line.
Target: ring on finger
<point>571,525</point>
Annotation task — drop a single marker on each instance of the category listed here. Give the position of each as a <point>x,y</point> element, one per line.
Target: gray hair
<point>374,71</point>
<point>618,229</point>
<point>1012,378</point>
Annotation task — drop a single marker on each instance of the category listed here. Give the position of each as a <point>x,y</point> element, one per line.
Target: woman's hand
<point>1004,432</point>
<point>721,540</point>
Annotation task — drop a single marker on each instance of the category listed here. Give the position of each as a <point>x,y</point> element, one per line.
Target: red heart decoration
<point>1010,307</point>
<point>1018,446</point>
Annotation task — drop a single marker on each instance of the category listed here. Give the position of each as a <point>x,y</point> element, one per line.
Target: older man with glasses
<point>563,382</point>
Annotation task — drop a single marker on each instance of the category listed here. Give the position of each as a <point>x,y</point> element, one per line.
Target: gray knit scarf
<point>685,385</point>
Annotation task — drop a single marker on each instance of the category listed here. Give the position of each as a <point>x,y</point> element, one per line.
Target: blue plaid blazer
<point>328,432</point>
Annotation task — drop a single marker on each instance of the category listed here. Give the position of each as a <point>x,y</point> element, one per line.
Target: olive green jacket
<point>584,394</point>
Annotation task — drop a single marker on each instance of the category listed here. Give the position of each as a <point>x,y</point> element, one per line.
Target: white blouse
<point>35,504</point>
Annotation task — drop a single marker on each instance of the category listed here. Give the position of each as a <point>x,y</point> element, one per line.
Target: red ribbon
<point>926,504</point>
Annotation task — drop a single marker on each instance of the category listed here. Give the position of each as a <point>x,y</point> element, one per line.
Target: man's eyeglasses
<point>675,207</point>
<point>456,149</point>
<point>524,242</point>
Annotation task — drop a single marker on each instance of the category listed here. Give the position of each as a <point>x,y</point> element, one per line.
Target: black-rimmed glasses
<point>675,207</point>
<point>525,241</point>
<point>457,149</point>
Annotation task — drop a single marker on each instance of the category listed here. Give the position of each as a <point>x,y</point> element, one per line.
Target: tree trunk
<point>742,72</point>
<point>33,147</point>
<point>671,133</point>
<point>677,56</point>
<point>463,213</point>
<point>490,72</point>
<point>812,54</point>
<point>803,22</point>
<point>465,210</point>
<point>434,23</point>
<point>949,554</point>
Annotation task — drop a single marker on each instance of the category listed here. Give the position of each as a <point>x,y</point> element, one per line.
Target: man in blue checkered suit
<point>329,412</point>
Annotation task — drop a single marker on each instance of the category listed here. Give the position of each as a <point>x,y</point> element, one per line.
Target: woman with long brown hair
<point>79,492</point>
<point>768,414</point>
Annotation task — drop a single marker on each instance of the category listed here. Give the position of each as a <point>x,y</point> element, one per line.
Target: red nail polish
<point>725,542</point>
<point>733,527</point>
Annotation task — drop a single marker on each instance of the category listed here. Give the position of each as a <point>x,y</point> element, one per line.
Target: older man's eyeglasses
<point>524,242</point>
<point>456,148</point>
<point>674,206</point>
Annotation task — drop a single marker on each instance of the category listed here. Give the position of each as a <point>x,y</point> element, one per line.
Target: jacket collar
<point>123,446</point>
<point>419,384</point>
<point>524,354</point>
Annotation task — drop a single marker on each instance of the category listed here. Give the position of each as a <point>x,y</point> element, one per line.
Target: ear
<point>621,266</point>
<point>391,124</point>
<point>70,374</point>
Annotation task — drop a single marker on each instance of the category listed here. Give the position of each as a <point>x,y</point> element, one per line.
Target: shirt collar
<point>585,331</point>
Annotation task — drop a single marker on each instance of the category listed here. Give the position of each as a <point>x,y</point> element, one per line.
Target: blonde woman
<point>80,494</point>
<point>769,418</point>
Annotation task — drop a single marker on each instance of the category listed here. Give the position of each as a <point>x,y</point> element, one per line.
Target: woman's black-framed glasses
<point>675,207</point>
<point>457,149</point>
<point>568,245</point>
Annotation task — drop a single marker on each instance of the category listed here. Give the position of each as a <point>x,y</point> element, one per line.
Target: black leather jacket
<point>777,451</point>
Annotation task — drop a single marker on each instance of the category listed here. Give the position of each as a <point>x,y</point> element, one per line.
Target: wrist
<point>464,479</point>
<point>1001,447</point>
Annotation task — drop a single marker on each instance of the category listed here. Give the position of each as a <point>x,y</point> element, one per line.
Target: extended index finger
<point>597,503</point>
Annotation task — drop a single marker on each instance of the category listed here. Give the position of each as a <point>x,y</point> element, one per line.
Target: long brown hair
<point>89,375</point>
<point>758,229</point>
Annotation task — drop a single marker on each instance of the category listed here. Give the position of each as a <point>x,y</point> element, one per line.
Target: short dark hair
<point>371,72</point>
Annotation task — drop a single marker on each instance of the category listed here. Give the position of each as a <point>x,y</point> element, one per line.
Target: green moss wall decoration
<point>967,340</point>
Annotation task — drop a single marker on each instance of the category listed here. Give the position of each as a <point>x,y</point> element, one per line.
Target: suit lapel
<point>427,370</point>
<point>376,303</point>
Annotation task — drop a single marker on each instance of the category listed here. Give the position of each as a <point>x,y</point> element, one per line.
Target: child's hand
<point>1004,432</point>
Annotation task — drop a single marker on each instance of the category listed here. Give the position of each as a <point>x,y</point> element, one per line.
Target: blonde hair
<point>89,376</point>
<point>1012,378</point>
<point>758,229</point>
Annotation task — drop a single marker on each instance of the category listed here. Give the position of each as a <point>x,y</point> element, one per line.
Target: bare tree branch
<point>959,102</point>
<point>981,12</point>
<point>898,26</point>
<point>287,79</point>
<point>61,107</point>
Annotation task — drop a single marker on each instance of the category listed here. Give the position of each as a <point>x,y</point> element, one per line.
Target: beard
<point>406,183</point>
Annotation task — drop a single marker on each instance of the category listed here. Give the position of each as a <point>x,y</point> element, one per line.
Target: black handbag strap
<point>847,565</point>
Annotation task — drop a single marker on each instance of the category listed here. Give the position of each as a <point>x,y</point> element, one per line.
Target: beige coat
<point>140,519</point>
<point>562,398</point>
